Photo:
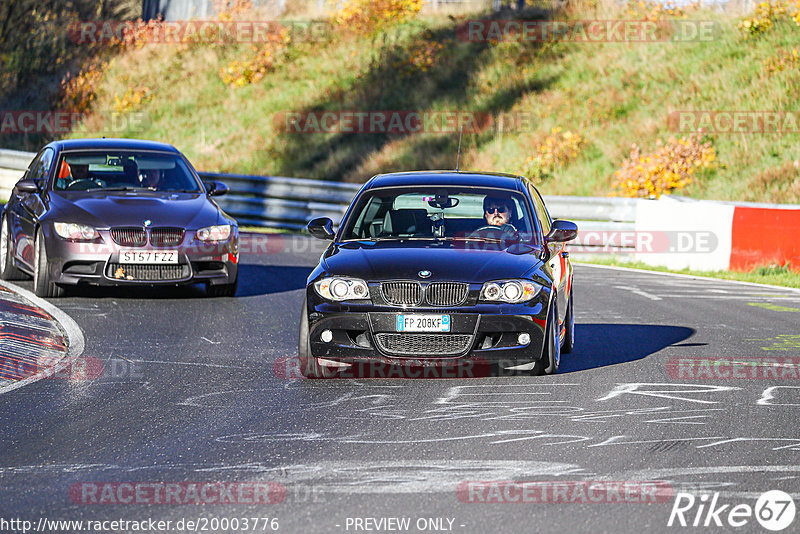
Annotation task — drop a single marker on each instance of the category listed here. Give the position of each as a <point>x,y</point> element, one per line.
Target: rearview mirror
<point>27,186</point>
<point>321,228</point>
<point>215,189</point>
<point>562,231</point>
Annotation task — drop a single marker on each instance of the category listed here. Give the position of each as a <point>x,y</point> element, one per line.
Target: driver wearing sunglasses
<point>497,211</point>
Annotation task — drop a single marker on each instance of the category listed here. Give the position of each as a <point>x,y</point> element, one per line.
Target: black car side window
<point>541,210</point>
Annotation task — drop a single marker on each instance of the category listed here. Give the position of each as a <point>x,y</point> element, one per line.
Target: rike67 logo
<point>774,510</point>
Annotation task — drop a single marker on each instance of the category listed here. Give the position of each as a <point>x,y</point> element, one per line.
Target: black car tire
<point>309,367</point>
<point>569,323</point>
<point>42,286</point>
<point>8,271</point>
<point>551,352</point>
<point>223,290</point>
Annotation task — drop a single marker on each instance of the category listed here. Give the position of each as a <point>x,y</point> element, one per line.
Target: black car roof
<point>116,144</point>
<point>445,178</point>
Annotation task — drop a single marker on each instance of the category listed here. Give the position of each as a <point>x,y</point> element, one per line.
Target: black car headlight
<point>342,288</point>
<point>75,232</point>
<point>511,291</point>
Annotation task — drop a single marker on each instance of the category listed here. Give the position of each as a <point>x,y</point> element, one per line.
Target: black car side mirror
<point>215,189</point>
<point>27,186</point>
<point>321,228</point>
<point>562,231</point>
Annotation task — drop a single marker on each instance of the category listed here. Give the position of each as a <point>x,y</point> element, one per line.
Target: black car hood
<point>445,260</point>
<point>186,210</point>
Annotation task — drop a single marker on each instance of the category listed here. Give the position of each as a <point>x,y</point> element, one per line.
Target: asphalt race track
<point>190,392</point>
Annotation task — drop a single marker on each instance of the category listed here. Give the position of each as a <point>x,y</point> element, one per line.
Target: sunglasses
<point>498,209</point>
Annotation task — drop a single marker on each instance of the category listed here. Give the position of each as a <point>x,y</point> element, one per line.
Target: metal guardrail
<point>12,164</point>
<point>278,202</point>
<point>289,203</point>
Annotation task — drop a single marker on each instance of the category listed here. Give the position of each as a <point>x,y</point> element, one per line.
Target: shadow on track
<point>253,280</point>
<point>266,279</point>
<point>599,345</point>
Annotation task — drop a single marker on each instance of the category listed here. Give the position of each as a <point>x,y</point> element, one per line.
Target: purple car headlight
<point>75,232</point>
<point>214,234</point>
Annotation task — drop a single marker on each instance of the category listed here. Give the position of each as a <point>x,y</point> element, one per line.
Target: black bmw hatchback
<point>438,268</point>
<point>117,212</point>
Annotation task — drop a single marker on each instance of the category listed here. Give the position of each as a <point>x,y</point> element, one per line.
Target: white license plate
<point>423,323</point>
<point>156,257</point>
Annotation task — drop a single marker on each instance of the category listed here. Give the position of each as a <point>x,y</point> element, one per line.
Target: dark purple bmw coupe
<point>117,212</point>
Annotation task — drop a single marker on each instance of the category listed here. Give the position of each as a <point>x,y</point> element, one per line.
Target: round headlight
<point>358,290</point>
<point>512,291</point>
<point>492,291</point>
<point>339,288</point>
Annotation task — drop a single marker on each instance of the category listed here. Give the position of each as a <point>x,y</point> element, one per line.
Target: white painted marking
<point>636,388</point>
<point>637,291</point>
<point>769,394</point>
<point>72,334</point>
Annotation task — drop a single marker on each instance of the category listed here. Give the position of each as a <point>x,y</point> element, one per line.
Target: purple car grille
<point>129,236</point>
<point>166,237</point>
<point>147,273</point>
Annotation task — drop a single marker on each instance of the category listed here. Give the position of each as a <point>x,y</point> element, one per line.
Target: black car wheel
<point>308,364</point>
<point>569,335</point>
<point>551,352</point>
<point>223,290</point>
<point>8,271</point>
<point>42,286</point>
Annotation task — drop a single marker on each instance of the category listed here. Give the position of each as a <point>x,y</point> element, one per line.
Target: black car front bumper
<point>489,333</point>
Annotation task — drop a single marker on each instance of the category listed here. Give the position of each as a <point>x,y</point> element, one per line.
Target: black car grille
<point>129,236</point>
<point>424,344</point>
<point>410,293</point>
<point>147,273</point>
<point>446,293</point>
<point>402,293</point>
<point>166,237</point>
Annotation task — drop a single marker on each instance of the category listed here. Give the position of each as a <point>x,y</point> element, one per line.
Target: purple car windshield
<point>113,171</point>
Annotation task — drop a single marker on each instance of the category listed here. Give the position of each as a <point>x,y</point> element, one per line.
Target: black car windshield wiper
<point>110,189</point>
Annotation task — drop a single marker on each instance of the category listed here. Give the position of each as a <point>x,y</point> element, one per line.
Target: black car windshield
<point>441,213</point>
<point>124,170</point>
